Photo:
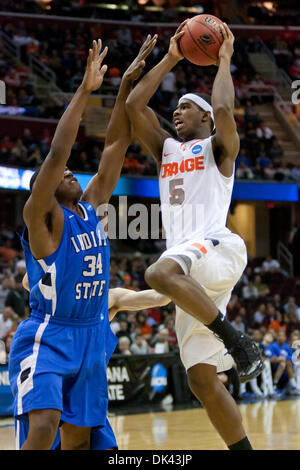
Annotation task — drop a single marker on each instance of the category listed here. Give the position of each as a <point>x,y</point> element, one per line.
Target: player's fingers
<point>149,48</point>
<point>178,35</point>
<point>147,44</point>
<point>223,31</point>
<point>103,70</point>
<point>103,54</point>
<point>230,33</point>
<point>99,46</point>
<point>94,49</point>
<point>181,26</point>
<point>90,57</point>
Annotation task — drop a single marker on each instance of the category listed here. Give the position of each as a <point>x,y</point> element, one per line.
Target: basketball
<point>202,40</point>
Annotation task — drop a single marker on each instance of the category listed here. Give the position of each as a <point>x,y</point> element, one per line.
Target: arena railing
<point>27,17</point>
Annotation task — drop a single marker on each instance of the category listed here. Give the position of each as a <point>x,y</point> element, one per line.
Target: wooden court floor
<point>271,425</point>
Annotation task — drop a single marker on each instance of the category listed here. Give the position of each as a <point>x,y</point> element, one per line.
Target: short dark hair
<point>33,178</point>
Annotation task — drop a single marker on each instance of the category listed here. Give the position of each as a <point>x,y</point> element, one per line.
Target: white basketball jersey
<point>195,196</point>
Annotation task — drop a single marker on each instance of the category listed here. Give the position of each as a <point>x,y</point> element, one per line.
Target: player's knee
<point>45,431</point>
<point>204,388</point>
<point>155,277</point>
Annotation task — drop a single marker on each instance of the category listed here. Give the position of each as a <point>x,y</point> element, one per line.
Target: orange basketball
<point>202,39</point>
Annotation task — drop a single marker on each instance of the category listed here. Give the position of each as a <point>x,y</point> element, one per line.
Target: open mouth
<point>178,124</point>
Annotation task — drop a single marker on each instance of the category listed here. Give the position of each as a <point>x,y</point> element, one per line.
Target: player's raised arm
<point>118,135</point>
<point>42,204</point>
<point>126,299</point>
<point>226,140</point>
<point>146,127</point>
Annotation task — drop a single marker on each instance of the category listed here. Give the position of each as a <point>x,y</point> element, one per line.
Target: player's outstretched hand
<point>44,4</point>
<point>226,50</point>
<point>135,69</point>
<point>95,71</point>
<point>174,50</point>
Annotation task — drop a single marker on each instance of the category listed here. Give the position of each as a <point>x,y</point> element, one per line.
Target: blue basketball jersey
<point>71,285</point>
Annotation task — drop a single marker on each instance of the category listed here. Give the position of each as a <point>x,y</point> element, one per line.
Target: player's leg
<point>168,278</point>
<point>43,425</point>
<point>75,437</point>
<point>180,274</point>
<point>219,405</point>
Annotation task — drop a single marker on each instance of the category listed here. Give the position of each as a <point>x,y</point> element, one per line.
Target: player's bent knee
<point>45,431</point>
<point>204,387</point>
<point>155,276</point>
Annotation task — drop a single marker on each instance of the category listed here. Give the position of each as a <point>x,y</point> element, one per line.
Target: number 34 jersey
<point>71,285</point>
<point>195,196</point>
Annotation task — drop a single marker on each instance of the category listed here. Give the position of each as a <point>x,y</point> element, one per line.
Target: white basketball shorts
<point>216,264</point>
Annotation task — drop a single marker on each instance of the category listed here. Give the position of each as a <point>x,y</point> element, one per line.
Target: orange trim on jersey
<point>200,247</point>
<point>194,143</point>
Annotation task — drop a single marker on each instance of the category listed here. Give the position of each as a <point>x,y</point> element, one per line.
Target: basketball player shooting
<point>203,260</point>
<point>58,358</point>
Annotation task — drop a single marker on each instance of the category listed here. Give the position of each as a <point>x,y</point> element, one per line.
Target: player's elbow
<point>165,302</point>
<point>132,106</point>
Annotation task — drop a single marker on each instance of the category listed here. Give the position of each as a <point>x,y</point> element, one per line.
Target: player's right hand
<point>174,51</point>
<point>95,71</point>
<point>135,69</point>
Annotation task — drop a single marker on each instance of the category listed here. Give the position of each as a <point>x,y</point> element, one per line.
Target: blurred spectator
<point>141,321</point>
<point>124,346</point>
<point>7,252</point>
<point>250,291</point>
<point>291,306</point>
<point>270,265</point>
<point>161,342</point>
<point>238,324</point>
<point>8,339</point>
<point>262,288</point>
<point>124,330</point>
<point>17,298</point>
<point>7,318</point>
<point>170,326</point>
<point>140,346</point>
<point>260,315</point>
<point>282,349</point>
<point>278,324</point>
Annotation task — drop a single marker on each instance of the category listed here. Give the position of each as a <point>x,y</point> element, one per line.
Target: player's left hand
<point>95,71</point>
<point>44,4</point>
<point>226,50</point>
<point>135,69</point>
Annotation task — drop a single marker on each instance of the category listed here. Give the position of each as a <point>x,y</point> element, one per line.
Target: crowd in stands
<point>261,155</point>
<point>265,304</point>
<point>159,11</point>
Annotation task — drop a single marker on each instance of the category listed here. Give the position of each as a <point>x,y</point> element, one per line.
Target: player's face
<point>69,188</point>
<point>189,119</point>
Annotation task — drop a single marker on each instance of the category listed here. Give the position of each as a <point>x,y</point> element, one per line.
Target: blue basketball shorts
<point>62,367</point>
<point>102,437</point>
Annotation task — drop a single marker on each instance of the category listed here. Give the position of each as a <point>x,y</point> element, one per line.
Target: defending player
<point>102,437</point>
<point>57,364</point>
<point>203,260</point>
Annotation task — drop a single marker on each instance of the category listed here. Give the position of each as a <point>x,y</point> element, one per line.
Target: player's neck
<point>199,134</point>
<point>72,205</point>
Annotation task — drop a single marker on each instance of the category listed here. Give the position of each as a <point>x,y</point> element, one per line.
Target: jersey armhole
<point>226,179</point>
